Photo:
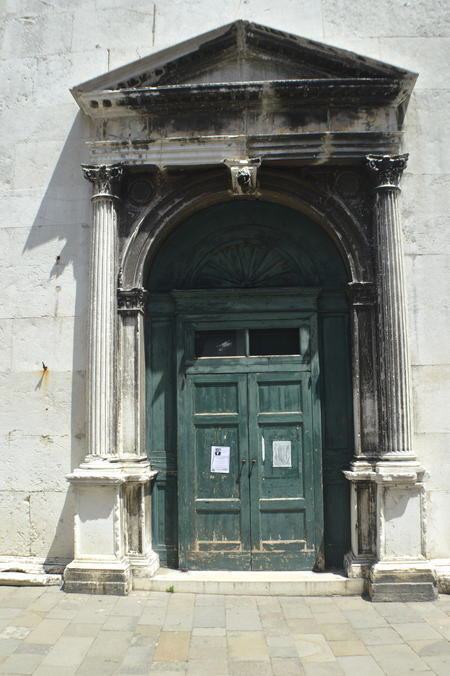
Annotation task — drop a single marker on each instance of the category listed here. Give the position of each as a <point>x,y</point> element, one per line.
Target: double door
<point>248,469</point>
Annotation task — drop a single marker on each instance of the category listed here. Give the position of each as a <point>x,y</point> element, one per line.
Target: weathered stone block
<point>38,34</point>
<point>51,516</point>
<point>438,523</point>
<point>50,404</point>
<point>402,518</point>
<point>50,294</point>
<point>431,385</point>
<point>412,581</point>
<point>59,342</point>
<point>15,528</point>
<point>17,75</point>
<point>428,132</point>
<point>429,287</point>
<point>41,462</point>
<point>425,205</point>
<point>433,451</point>
<point>383,18</point>
<point>5,344</point>
<point>101,581</point>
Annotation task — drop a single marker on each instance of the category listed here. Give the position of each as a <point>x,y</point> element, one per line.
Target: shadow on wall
<point>61,228</point>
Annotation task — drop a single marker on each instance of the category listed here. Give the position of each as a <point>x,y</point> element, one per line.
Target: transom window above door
<point>248,342</point>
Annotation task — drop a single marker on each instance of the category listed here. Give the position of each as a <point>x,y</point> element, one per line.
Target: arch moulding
<point>172,206</point>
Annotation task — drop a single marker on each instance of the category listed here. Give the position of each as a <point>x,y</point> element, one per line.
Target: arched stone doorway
<point>321,134</point>
<point>248,350</point>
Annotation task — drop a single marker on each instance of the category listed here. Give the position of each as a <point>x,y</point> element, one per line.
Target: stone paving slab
<point>45,632</point>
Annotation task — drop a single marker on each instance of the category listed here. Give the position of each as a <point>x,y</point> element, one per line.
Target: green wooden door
<point>214,507</point>
<point>282,510</point>
<point>262,512</point>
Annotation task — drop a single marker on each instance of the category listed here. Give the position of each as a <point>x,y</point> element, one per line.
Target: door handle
<point>240,469</point>
<point>252,464</point>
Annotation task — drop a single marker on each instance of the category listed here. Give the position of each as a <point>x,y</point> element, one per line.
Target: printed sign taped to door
<point>281,454</point>
<point>220,459</point>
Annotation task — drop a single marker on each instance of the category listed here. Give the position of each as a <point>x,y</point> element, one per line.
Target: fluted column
<point>392,315</point>
<point>131,442</point>
<point>388,495</point>
<point>101,424</point>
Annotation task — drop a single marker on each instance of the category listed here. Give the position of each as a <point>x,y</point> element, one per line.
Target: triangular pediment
<point>243,52</point>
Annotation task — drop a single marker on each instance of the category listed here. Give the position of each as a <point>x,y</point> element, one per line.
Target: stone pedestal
<point>111,526</point>
<point>401,572</point>
<point>112,485</point>
<point>388,549</point>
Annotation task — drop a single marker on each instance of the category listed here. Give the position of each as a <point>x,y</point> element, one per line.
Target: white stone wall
<point>47,47</point>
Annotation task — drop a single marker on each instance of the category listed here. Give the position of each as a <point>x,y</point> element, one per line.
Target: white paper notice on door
<point>281,454</point>
<point>220,459</point>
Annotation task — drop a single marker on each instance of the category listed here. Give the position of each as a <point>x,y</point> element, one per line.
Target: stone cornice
<point>104,177</point>
<point>387,170</point>
<point>283,94</point>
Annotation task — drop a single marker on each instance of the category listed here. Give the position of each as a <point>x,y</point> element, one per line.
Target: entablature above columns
<point>314,147</point>
<point>245,90</point>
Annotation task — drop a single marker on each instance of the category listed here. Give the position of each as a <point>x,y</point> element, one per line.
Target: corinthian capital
<point>131,300</point>
<point>104,177</point>
<point>387,169</point>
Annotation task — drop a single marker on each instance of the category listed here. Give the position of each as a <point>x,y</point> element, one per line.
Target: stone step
<point>257,583</point>
<point>16,579</point>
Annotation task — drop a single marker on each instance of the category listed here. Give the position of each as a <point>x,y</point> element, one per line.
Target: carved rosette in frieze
<point>387,170</point>
<point>105,177</point>
<point>140,191</point>
<point>347,183</point>
<point>130,301</point>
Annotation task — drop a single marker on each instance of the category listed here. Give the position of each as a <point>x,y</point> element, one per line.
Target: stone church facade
<point>226,348</point>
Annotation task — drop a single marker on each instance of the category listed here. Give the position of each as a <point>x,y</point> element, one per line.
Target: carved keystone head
<point>243,175</point>
<point>244,179</point>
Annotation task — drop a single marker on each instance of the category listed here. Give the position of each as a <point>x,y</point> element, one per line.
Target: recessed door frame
<point>209,309</point>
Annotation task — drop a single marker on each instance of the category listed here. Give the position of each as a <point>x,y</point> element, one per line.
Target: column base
<point>411,581</point>
<point>442,571</point>
<point>98,578</point>
<point>357,566</point>
<point>144,566</point>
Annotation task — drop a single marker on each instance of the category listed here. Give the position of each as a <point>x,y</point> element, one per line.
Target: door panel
<point>260,514</point>
<point>282,478</point>
<point>216,521</point>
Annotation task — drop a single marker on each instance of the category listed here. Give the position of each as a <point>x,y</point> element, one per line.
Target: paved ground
<point>46,632</point>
